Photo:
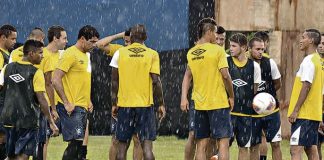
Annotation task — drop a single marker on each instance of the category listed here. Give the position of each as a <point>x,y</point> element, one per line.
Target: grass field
<point>165,148</point>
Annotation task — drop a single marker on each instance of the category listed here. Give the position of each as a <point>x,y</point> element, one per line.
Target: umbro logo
<point>17,78</point>
<point>260,88</point>
<point>293,139</point>
<point>81,61</point>
<point>198,52</point>
<point>137,50</point>
<point>239,82</point>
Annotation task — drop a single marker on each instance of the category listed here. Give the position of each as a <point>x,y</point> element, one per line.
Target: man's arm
<point>187,78</point>
<point>277,84</point>
<point>104,42</point>
<point>114,91</point>
<point>158,92</point>
<point>301,99</point>
<point>50,92</point>
<point>228,85</point>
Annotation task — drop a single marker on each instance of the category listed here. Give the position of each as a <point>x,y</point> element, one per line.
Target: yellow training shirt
<point>205,61</point>
<point>135,63</point>
<point>2,58</point>
<point>310,70</point>
<point>77,78</point>
<point>113,48</point>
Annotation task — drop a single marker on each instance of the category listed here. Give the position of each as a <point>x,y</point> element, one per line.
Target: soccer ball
<point>264,103</point>
<point>215,157</point>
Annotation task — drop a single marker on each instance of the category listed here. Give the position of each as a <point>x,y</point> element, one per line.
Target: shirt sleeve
<point>2,76</point>
<point>1,61</point>
<point>307,71</point>
<point>275,74</point>
<point>257,73</point>
<point>46,65</point>
<point>39,81</point>
<point>114,60</point>
<point>155,68</point>
<point>113,48</point>
<point>222,63</point>
<point>66,62</point>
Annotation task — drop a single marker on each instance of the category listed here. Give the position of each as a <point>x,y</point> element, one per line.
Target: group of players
<point>46,90</point>
<point>215,120</point>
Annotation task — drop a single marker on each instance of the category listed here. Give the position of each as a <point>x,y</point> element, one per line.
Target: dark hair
<point>239,38</point>
<point>31,45</point>
<point>38,28</point>
<point>220,30</point>
<point>205,25</point>
<point>254,39</point>
<point>128,31</point>
<point>36,32</point>
<point>54,31</point>
<point>314,34</point>
<point>262,35</point>
<point>138,33</point>
<point>7,29</point>
<point>88,32</point>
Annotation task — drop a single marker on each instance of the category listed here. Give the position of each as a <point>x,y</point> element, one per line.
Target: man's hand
<point>321,128</point>
<point>184,104</point>
<point>292,118</point>
<point>231,103</point>
<point>54,113</point>
<point>114,111</point>
<point>90,107</point>
<point>69,107</point>
<point>54,129</point>
<point>161,112</point>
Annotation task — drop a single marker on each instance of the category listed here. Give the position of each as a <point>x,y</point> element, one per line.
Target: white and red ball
<point>264,103</point>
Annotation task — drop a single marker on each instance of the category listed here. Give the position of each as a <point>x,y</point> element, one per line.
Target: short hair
<point>31,45</point>
<point>88,32</point>
<point>314,34</point>
<point>7,29</point>
<point>239,38</point>
<point>254,39</point>
<point>36,32</point>
<point>54,31</point>
<point>262,35</point>
<point>220,30</point>
<point>138,33</point>
<point>128,31</point>
<point>205,25</point>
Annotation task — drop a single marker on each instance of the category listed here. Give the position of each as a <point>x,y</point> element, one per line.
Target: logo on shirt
<point>17,78</point>
<point>136,50</point>
<point>260,88</point>
<point>239,82</point>
<point>81,61</point>
<point>198,52</point>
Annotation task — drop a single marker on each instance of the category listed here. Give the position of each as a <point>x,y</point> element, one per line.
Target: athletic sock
<point>263,157</point>
<point>72,150</point>
<point>83,152</point>
<point>3,153</point>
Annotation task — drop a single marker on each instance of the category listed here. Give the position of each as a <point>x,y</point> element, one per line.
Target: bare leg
<point>255,152</point>
<point>223,149</point>
<point>263,147</point>
<point>147,146</point>
<point>312,152</point>
<point>190,147</point>
<point>113,148</point>
<point>122,150</point>
<point>296,152</point>
<point>276,151</point>
<point>201,148</point>
<point>137,150</point>
<point>211,148</point>
<point>243,153</point>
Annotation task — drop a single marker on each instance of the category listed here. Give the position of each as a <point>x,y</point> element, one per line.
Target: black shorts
<point>271,125</point>
<point>73,126</point>
<point>21,141</point>
<point>320,136</point>
<point>113,125</point>
<point>213,123</point>
<point>42,130</point>
<point>304,133</point>
<point>247,130</point>
<point>140,120</point>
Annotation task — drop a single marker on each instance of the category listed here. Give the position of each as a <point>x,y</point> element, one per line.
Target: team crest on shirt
<point>17,78</point>
<point>239,82</point>
<point>81,61</point>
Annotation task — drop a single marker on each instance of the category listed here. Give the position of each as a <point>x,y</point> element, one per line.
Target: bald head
<point>37,34</point>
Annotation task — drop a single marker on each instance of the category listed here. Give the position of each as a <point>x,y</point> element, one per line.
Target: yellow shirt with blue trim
<point>310,70</point>
<point>205,61</point>
<point>77,78</point>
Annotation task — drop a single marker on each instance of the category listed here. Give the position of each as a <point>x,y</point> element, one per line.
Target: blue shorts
<point>271,125</point>
<point>21,141</point>
<point>140,120</point>
<point>304,133</point>
<point>321,137</point>
<point>191,116</point>
<point>49,132</point>
<point>247,130</point>
<point>72,126</point>
<point>215,123</point>
<point>113,125</point>
<point>42,130</point>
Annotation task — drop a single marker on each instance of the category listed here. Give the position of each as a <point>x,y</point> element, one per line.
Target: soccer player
<point>212,111</point>
<point>8,36</point>
<point>22,82</point>
<point>266,39</point>
<point>110,49</point>
<point>57,39</point>
<point>270,83</point>
<point>36,34</point>
<point>72,82</point>
<point>220,36</point>
<point>320,50</point>
<point>135,78</point>
<point>246,75</point>
<point>305,108</point>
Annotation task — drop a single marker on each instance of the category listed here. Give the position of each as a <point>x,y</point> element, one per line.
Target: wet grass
<point>165,148</point>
